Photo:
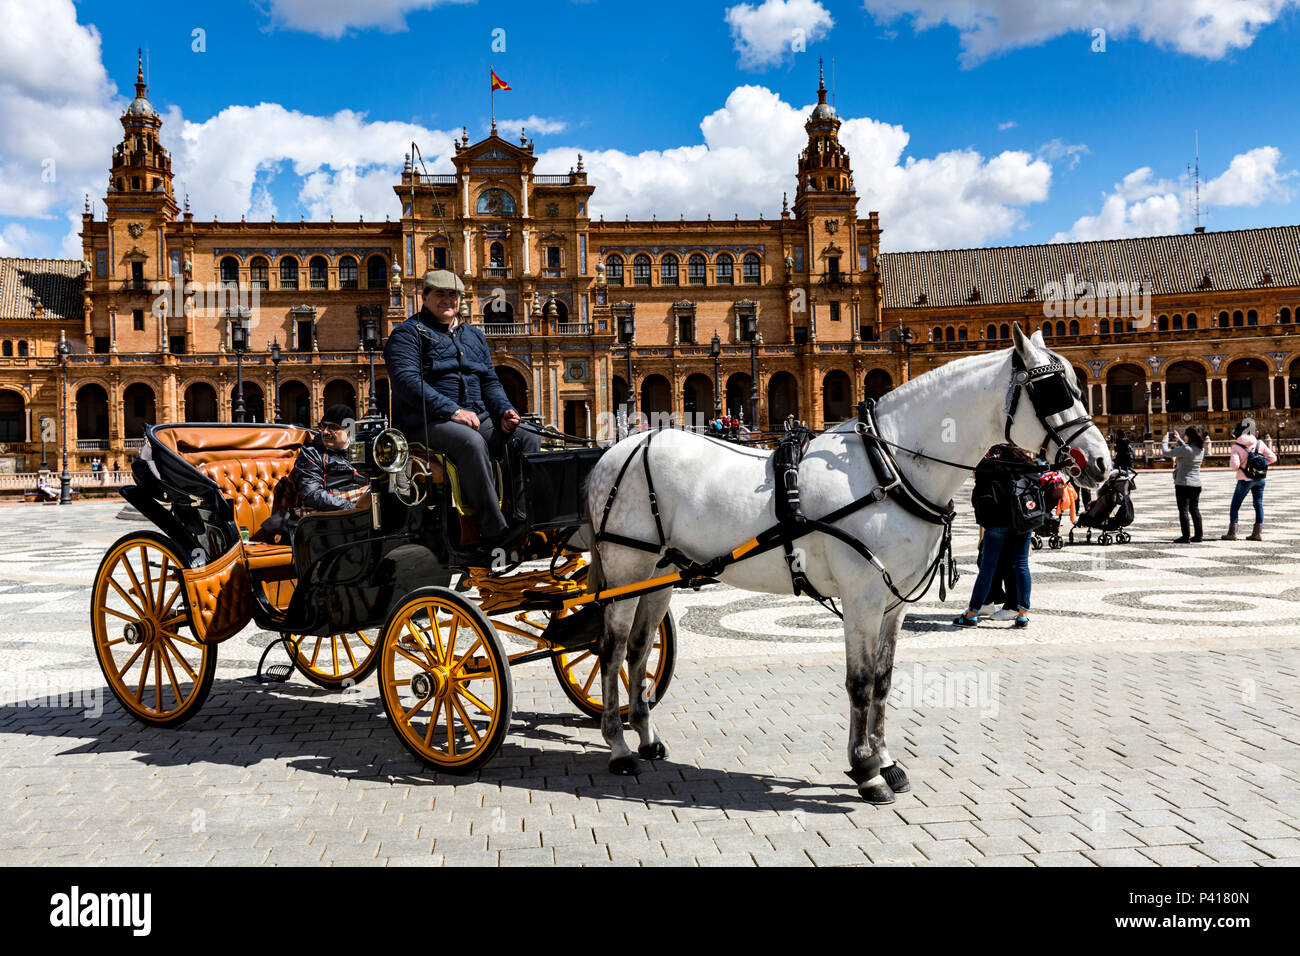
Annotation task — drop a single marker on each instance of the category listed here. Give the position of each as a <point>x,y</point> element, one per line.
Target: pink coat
<point>1237,454</point>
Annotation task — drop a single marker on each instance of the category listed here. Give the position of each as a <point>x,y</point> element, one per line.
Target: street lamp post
<point>65,479</point>
<point>751,333</point>
<point>44,464</point>
<point>907,347</point>
<point>273,347</point>
<point>715,349</point>
<point>628,328</point>
<point>1146,436</point>
<point>239,342</point>
<point>370,341</point>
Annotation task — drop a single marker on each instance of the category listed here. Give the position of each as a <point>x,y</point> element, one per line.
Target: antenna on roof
<point>1196,185</point>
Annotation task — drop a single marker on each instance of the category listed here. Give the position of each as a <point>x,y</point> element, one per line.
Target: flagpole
<point>492,97</point>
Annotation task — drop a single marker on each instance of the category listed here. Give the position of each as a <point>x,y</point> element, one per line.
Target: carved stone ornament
<point>552,209</point>
<point>832,226</point>
<point>136,230</point>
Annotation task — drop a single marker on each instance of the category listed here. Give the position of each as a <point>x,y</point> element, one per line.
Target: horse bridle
<point>1049,394</point>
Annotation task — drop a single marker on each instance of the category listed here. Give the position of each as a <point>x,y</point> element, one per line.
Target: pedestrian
<point>1123,457</point>
<point>993,500</point>
<point>1247,455</point>
<point>1187,453</point>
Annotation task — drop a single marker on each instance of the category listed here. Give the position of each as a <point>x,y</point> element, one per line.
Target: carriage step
<point>582,628</point>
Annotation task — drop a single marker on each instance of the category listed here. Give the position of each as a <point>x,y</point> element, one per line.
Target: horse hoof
<point>876,792</point>
<point>654,751</point>
<point>623,766</point>
<point>896,778</point>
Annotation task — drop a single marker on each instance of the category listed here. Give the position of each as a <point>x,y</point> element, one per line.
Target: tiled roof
<point>1170,264</point>
<point>57,283</point>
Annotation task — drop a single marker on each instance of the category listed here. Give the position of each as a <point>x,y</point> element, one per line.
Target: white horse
<point>713,497</point>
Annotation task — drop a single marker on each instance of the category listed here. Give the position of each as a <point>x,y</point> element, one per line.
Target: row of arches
<point>8,348</point>
<point>696,401</point>
<point>290,267</point>
<point>696,269</point>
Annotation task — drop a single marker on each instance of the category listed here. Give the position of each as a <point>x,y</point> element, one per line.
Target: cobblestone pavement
<point>1148,716</point>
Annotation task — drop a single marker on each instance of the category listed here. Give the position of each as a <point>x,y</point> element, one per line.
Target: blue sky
<point>1002,127</point>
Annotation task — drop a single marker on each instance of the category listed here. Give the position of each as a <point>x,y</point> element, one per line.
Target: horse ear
<point>1037,339</point>
<point>1023,345</point>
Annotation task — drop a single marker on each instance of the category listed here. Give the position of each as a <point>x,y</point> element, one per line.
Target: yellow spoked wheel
<point>337,661</point>
<point>155,666</point>
<point>579,672</point>
<point>445,680</point>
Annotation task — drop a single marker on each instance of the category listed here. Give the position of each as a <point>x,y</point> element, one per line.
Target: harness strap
<point>603,535</point>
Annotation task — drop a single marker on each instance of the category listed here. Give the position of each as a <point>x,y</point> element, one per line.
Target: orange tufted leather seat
<point>250,483</point>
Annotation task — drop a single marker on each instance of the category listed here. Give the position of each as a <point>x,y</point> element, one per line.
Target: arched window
<point>1223,319</point>
<point>259,273</point>
<point>22,349</point>
<point>495,202</point>
<point>668,269</point>
<point>1060,328</point>
<point>1284,316</point>
<point>991,332</point>
<point>377,272</point>
<point>497,256</point>
<point>1252,317</point>
<point>936,334</point>
<point>319,270</point>
<point>1178,322</point>
<point>950,334</point>
<point>1004,331</point>
<point>347,273</point>
<point>230,270</point>
<point>696,269</point>
<point>1104,326</point>
<point>1191,320</point>
<point>725,269</point>
<point>288,273</point>
<point>7,350</point>
<point>614,269</point>
<point>641,270</point>
<point>1162,323</point>
<point>1074,326</point>
<point>751,268</point>
<point>1238,318</point>
<point>961,334</point>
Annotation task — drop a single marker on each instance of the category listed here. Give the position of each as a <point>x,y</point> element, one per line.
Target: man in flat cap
<point>446,395</point>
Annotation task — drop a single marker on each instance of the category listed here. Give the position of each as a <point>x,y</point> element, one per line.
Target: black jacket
<point>318,473</point>
<point>441,371</point>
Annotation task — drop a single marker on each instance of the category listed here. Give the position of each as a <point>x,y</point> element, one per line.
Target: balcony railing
<point>437,179</point>
<point>562,180</point>
<point>135,285</point>
<point>505,328</point>
<point>92,444</point>
<point>573,328</point>
<point>133,444</point>
<point>836,278</point>
<point>552,273</point>
<point>496,272</point>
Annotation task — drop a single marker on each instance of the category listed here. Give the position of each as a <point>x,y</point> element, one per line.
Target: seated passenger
<point>322,479</point>
<point>446,396</point>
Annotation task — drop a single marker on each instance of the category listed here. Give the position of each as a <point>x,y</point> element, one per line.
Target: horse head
<point>1045,410</point>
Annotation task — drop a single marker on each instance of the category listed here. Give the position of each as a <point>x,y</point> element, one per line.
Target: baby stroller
<point>1111,511</point>
<point>1060,496</point>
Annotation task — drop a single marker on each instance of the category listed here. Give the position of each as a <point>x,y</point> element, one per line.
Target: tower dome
<point>140,106</point>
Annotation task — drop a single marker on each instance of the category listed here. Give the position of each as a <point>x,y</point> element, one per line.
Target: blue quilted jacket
<point>443,371</point>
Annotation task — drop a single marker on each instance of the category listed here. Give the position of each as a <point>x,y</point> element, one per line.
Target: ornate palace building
<point>687,315</point>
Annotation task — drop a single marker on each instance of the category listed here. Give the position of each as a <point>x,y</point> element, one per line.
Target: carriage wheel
<point>445,680</point>
<point>579,672</point>
<point>155,666</point>
<point>337,661</point>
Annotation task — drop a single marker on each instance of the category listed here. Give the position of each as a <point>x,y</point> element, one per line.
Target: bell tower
<point>824,170</point>
<point>140,178</point>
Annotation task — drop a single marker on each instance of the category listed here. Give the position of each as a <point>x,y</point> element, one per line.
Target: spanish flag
<point>497,82</point>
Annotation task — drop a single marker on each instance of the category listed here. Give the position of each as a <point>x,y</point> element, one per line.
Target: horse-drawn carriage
<point>383,586</point>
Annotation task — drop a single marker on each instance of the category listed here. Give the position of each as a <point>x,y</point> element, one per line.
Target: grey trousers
<point>472,452</point>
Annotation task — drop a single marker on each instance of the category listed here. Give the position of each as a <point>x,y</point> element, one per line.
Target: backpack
<point>1028,509</point>
<point>1255,466</point>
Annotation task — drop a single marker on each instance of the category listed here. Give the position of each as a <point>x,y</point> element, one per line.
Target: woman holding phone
<point>1187,453</point>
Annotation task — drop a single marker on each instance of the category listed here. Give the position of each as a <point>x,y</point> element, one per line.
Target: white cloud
<point>1054,150</point>
<point>1250,179</point>
<point>17,240</point>
<point>1205,28</point>
<point>540,125</point>
<point>1009,124</point>
<point>58,111</point>
<point>767,33</point>
<point>748,158</point>
<point>1141,205</point>
<point>333,18</point>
